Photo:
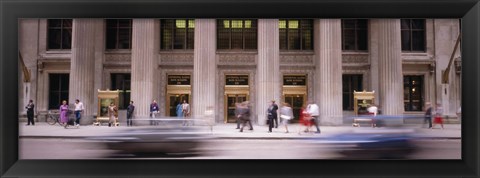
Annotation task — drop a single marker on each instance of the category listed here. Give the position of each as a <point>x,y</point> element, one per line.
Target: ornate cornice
<point>117,57</point>
<point>355,59</point>
<point>176,59</point>
<point>355,67</point>
<point>236,59</point>
<point>296,59</point>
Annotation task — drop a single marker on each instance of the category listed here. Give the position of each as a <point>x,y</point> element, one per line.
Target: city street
<point>45,148</point>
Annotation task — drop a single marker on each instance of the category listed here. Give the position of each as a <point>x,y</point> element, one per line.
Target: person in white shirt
<point>78,111</point>
<point>312,109</point>
<point>186,111</point>
<point>373,110</point>
<point>286,113</point>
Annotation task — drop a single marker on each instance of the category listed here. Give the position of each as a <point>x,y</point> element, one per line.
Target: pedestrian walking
<point>64,113</point>
<point>153,111</point>
<point>244,115</point>
<point>186,112</point>
<point>209,117</point>
<point>304,120</point>
<point>428,115</point>
<point>286,114</point>
<point>179,110</point>
<point>237,113</point>
<point>30,108</point>
<point>373,110</point>
<point>112,114</point>
<point>130,110</point>
<point>272,115</point>
<point>438,116</point>
<point>78,112</point>
<point>312,109</point>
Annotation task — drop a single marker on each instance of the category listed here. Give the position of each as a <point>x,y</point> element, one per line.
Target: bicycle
<point>53,117</point>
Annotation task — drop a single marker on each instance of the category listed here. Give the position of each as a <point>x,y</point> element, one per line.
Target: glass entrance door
<point>231,100</point>
<point>173,100</point>
<point>296,102</point>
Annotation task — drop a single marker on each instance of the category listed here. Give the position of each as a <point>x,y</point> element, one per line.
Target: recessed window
<point>413,35</point>
<point>59,34</point>
<point>121,82</point>
<point>177,34</point>
<point>237,34</point>
<point>413,92</point>
<point>354,34</point>
<point>58,90</point>
<point>119,34</point>
<point>296,34</point>
<point>350,83</point>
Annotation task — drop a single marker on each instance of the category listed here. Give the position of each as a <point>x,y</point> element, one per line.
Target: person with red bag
<point>438,116</point>
<point>304,121</point>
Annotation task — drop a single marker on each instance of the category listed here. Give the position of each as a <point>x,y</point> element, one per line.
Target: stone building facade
<point>290,61</point>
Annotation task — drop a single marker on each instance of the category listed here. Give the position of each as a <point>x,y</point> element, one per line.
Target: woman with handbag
<point>112,114</point>
<point>286,114</point>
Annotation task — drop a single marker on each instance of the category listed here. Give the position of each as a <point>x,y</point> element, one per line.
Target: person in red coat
<point>438,116</point>
<point>304,120</point>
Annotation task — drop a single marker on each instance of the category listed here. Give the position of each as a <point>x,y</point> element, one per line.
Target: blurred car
<point>161,140</point>
<point>383,143</point>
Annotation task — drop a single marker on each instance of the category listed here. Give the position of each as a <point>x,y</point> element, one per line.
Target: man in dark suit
<point>428,114</point>
<point>272,116</point>
<point>130,110</point>
<point>30,108</point>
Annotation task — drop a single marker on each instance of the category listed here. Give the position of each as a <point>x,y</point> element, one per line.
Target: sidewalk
<point>228,131</point>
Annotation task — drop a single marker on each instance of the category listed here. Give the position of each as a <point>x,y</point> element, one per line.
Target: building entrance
<point>296,102</point>
<point>173,100</point>
<point>295,93</point>
<point>178,89</point>
<point>236,91</point>
<point>232,99</point>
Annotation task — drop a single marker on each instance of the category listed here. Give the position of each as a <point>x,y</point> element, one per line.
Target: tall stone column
<point>82,65</point>
<point>390,66</point>
<point>28,48</point>
<point>204,67</point>
<point>268,67</point>
<point>446,33</point>
<point>99,60</point>
<point>144,79</point>
<point>328,73</point>
<point>373,50</point>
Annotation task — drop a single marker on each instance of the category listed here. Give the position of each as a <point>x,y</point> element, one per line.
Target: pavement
<point>228,131</point>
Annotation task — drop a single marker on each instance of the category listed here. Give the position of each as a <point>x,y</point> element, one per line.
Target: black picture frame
<point>11,11</point>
